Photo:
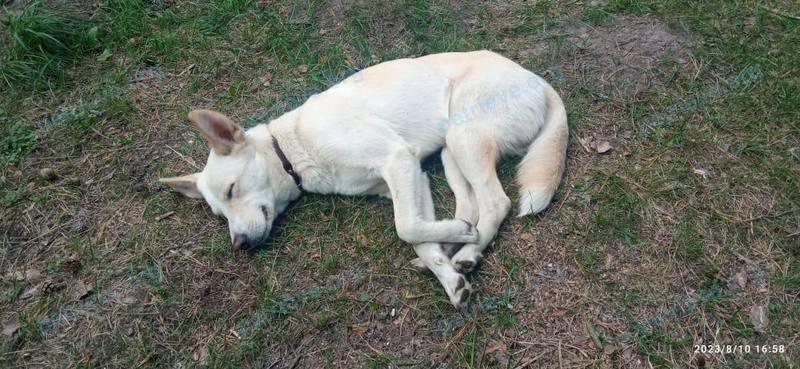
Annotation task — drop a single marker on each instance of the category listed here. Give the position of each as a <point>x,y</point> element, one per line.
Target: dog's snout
<point>241,242</point>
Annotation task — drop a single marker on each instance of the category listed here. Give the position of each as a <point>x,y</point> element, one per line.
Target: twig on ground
<point>184,158</point>
<point>778,215</point>
<point>165,215</point>
<point>779,13</point>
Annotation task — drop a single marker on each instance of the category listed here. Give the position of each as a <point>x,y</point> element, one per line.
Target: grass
<point>41,42</point>
<point>667,241</point>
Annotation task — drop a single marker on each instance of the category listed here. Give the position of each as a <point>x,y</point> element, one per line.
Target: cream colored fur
<point>367,136</point>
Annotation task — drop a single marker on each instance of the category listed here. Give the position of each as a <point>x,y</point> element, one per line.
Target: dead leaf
<point>33,275</point>
<point>527,237</point>
<point>594,334</point>
<point>758,316</point>
<point>602,147</point>
<point>31,292</point>
<point>495,346</point>
<point>265,79</point>
<point>586,143</point>
<point>130,300</point>
<point>740,279</point>
<point>609,349</point>
<point>30,275</point>
<point>632,358</point>
<point>501,357</point>
<point>596,145</point>
<point>10,327</point>
<point>359,329</point>
<point>581,341</point>
<point>302,68</point>
<point>79,290</point>
<point>73,263</point>
<point>362,238</point>
<point>200,354</point>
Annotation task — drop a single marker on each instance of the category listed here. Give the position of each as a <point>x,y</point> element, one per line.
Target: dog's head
<point>236,180</point>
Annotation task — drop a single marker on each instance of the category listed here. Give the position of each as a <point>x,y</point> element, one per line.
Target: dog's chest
<point>354,181</point>
<point>347,181</point>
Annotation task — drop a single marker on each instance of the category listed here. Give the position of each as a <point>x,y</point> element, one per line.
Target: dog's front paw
<point>465,261</point>
<point>460,294</point>
<point>450,248</point>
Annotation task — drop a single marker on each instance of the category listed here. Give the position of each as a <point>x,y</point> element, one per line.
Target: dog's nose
<point>241,242</point>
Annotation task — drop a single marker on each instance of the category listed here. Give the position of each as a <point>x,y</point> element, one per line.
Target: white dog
<point>367,136</point>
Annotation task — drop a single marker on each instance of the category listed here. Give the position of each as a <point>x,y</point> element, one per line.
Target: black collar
<point>287,166</point>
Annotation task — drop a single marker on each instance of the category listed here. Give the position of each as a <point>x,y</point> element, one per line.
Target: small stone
<point>48,174</point>
<point>79,290</point>
<point>10,327</point>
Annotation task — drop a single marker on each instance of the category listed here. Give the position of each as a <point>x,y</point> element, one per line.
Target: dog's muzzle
<point>242,242</point>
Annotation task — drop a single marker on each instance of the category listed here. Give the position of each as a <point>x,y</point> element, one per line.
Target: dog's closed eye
<point>229,194</point>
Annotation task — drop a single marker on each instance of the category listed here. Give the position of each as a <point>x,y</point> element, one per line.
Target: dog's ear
<point>221,132</point>
<point>186,185</point>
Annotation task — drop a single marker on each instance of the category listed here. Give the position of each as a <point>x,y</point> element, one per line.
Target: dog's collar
<point>287,166</point>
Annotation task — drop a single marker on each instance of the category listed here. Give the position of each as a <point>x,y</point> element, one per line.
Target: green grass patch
<point>18,140</point>
<point>688,241</point>
<point>40,42</point>
<point>616,214</point>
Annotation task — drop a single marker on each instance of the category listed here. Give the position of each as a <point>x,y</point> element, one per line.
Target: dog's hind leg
<point>466,205</point>
<point>404,176</point>
<point>434,259</point>
<point>476,156</point>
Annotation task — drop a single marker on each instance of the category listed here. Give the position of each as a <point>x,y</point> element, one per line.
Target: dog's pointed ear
<point>222,133</point>
<point>186,185</point>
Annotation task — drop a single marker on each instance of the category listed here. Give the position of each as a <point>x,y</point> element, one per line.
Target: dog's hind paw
<point>417,262</point>
<point>469,235</point>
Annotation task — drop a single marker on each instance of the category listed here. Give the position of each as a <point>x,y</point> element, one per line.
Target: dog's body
<point>367,136</point>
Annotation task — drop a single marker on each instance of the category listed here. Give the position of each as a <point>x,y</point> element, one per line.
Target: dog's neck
<point>283,129</point>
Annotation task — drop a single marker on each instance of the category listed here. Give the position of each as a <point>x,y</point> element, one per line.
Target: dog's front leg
<point>404,176</point>
<point>433,258</point>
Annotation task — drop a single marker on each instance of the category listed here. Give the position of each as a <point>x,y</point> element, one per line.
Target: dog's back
<point>430,101</point>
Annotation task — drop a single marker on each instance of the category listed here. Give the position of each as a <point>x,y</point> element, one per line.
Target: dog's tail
<point>540,171</point>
